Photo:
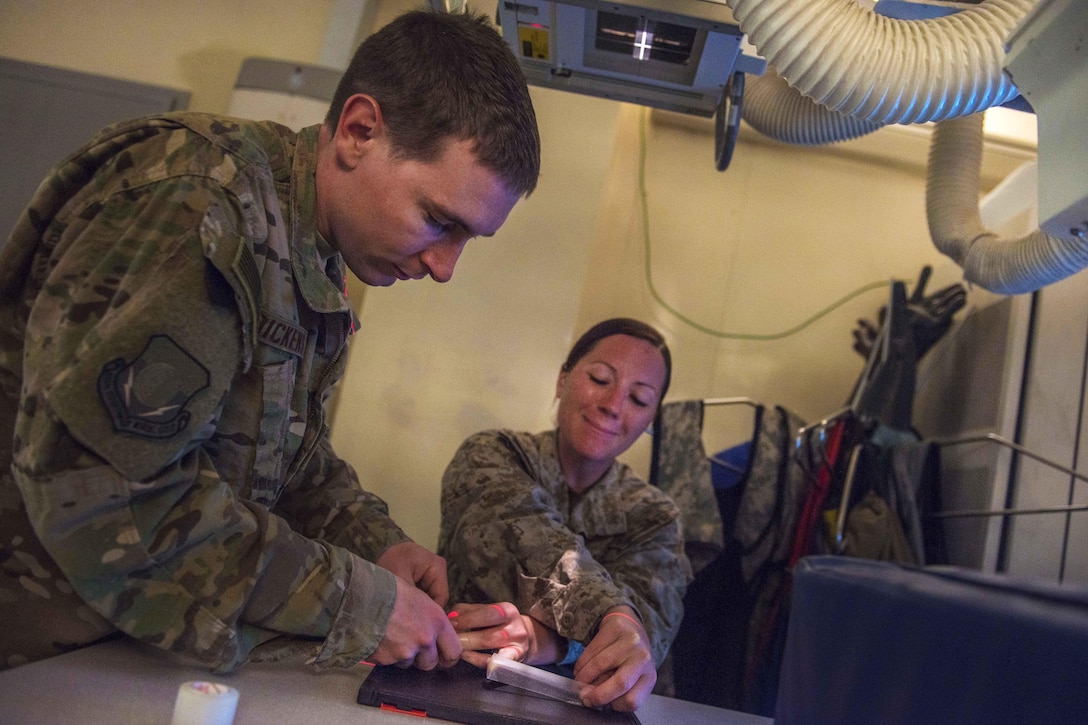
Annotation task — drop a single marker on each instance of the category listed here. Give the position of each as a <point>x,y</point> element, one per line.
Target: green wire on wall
<point>684,318</point>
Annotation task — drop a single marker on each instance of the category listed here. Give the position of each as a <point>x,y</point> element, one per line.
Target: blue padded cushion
<point>877,642</point>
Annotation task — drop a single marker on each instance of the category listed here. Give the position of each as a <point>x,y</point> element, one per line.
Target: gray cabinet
<point>1017,368</point>
<point>47,112</point>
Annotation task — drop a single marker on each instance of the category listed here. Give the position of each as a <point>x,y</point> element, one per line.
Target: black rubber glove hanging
<point>928,317</point>
<point>885,390</point>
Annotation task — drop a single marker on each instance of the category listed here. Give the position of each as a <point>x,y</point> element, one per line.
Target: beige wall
<point>195,45</point>
<point>758,249</point>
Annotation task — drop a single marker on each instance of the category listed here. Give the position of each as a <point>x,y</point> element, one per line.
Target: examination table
<point>125,682</point>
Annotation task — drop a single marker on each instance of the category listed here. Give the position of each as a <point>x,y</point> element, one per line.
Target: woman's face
<point>608,399</point>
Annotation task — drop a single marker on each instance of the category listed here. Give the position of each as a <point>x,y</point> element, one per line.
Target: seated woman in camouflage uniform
<point>557,552</point>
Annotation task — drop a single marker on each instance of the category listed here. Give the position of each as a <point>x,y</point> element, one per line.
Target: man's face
<point>396,219</point>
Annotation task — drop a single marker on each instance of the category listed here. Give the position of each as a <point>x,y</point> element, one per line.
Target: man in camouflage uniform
<point>172,319</point>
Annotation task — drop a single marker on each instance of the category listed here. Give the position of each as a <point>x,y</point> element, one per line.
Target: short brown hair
<point>439,76</point>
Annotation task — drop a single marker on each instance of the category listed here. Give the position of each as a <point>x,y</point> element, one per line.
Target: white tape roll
<point>205,703</point>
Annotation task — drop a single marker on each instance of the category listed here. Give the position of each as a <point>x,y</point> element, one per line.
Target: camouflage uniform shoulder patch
<point>147,397</point>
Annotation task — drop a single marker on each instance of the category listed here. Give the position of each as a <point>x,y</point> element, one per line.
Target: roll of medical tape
<point>205,703</point>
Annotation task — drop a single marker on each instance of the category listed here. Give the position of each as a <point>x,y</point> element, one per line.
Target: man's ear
<point>360,123</point>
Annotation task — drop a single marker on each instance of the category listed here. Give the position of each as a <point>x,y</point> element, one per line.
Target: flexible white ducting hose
<point>780,112</point>
<point>869,69</point>
<point>881,69</point>
<point>1004,266</point>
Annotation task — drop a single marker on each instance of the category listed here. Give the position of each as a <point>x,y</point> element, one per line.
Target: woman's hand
<point>618,663</point>
<point>501,629</point>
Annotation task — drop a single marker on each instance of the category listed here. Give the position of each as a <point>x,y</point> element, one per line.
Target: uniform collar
<point>320,272</point>
<point>549,447</point>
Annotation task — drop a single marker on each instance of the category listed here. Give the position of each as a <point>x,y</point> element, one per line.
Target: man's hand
<point>618,663</point>
<point>418,633</point>
<point>413,563</point>
<point>501,628</point>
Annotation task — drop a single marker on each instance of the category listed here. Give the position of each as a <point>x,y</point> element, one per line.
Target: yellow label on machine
<point>534,41</point>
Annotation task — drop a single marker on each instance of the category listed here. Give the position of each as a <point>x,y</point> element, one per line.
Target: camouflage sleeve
<point>329,504</point>
<point>507,537</point>
<point>132,508</point>
<point>648,562</point>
